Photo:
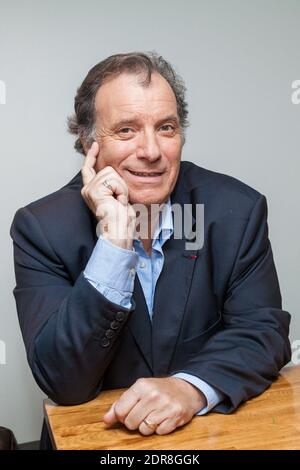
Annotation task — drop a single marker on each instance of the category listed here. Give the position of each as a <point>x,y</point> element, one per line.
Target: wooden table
<point>270,421</point>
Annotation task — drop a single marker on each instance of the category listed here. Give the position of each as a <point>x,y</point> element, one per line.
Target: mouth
<point>146,176</point>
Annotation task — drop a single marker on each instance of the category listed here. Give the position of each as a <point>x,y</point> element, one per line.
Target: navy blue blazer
<point>217,310</point>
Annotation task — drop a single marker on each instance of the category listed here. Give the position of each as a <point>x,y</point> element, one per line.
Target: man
<point>184,330</point>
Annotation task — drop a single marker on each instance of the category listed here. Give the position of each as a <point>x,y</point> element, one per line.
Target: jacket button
<point>115,325</point>
<point>120,316</point>
<point>105,342</point>
<point>109,333</point>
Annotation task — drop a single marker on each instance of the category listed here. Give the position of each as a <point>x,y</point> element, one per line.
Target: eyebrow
<point>127,122</point>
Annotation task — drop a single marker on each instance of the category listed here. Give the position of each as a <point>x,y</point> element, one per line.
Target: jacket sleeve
<point>70,330</point>
<point>245,355</point>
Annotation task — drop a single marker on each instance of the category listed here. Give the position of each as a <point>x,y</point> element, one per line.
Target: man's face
<point>137,129</point>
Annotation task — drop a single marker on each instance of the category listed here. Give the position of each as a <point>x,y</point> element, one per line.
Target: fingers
<point>159,421</point>
<point>87,170</point>
<point>151,422</point>
<point>107,182</point>
<point>121,408</point>
<point>138,413</point>
<point>110,417</point>
<point>152,406</point>
<point>117,186</point>
<point>168,425</point>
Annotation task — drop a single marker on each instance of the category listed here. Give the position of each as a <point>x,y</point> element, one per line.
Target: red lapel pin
<point>191,256</point>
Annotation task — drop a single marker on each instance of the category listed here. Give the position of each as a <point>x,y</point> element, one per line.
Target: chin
<point>147,199</point>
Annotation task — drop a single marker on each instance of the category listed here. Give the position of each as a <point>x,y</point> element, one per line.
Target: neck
<point>146,223</point>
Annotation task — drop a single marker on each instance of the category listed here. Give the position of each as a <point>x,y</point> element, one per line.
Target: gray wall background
<point>238,58</point>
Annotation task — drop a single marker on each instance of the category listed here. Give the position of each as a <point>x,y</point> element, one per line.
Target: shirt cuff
<point>213,396</point>
<point>111,270</point>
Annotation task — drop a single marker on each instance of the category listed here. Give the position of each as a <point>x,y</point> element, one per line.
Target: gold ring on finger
<point>150,425</point>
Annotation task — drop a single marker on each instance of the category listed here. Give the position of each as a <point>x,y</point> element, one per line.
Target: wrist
<point>124,243</point>
<point>197,398</point>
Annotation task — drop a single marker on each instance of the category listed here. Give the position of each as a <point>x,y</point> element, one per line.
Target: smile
<point>145,177</point>
<point>143,174</point>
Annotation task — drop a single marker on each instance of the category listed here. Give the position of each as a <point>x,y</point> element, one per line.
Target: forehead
<point>125,96</point>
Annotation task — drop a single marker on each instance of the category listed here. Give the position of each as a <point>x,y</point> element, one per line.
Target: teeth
<point>144,174</point>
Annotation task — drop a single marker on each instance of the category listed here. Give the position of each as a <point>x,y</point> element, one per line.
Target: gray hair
<point>82,122</point>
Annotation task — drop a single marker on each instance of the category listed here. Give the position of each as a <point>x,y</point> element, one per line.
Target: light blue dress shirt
<point>112,270</point>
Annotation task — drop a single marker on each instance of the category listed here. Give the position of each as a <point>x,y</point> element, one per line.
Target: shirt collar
<point>165,227</point>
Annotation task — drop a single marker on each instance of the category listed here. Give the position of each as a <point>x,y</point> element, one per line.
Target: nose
<point>148,146</point>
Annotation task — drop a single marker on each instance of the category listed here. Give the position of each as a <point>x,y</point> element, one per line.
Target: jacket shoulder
<point>220,192</point>
<point>197,176</point>
<point>61,212</point>
<point>59,200</point>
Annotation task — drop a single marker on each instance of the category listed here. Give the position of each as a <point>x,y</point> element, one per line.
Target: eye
<point>125,133</point>
<point>125,130</point>
<point>167,128</point>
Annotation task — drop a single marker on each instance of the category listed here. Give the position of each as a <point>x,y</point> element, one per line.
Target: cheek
<point>113,154</point>
<point>172,150</point>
